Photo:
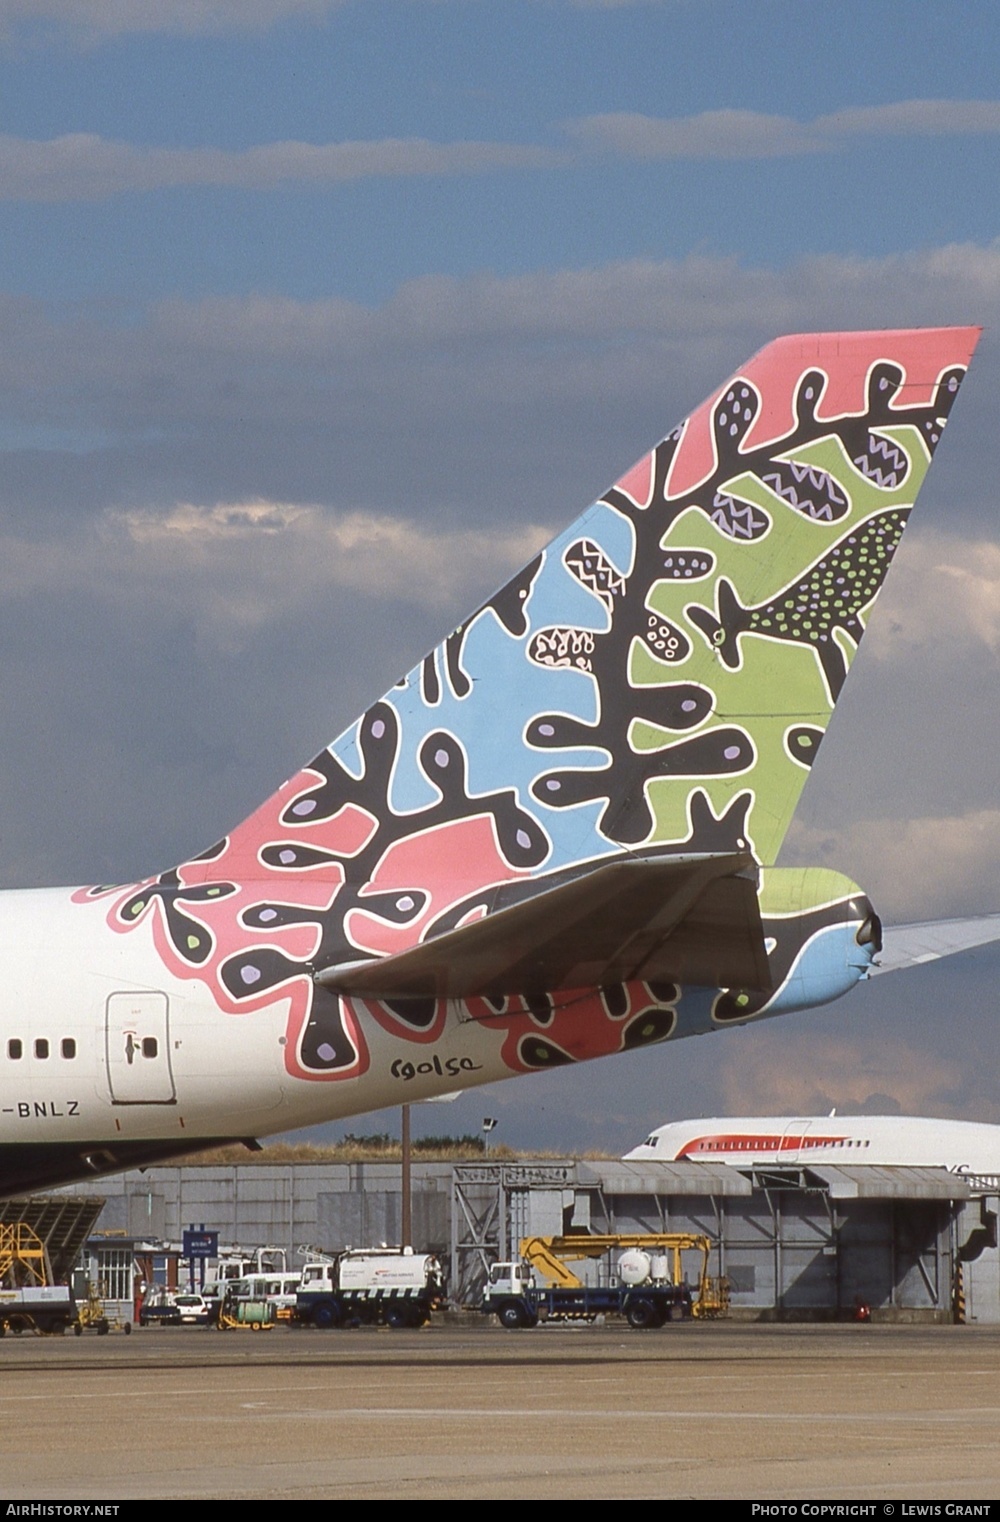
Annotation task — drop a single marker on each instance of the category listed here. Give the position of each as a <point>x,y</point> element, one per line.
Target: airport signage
<point>200,1244</point>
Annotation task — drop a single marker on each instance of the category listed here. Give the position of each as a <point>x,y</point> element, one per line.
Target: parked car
<point>159,1310</point>
<point>193,1309</point>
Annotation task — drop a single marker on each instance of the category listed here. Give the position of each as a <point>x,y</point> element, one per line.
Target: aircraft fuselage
<point>108,1057</point>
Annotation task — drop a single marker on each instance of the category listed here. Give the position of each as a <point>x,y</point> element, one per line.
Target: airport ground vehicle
<point>279,1289</point>
<point>37,1308</point>
<point>241,1265</point>
<point>159,1309</point>
<point>244,1311</point>
<point>650,1286</point>
<point>193,1309</point>
<point>93,1314</point>
<point>28,1301</point>
<point>176,1307</point>
<point>391,1286</point>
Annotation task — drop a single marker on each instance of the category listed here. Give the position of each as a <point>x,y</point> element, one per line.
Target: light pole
<point>406,1229</point>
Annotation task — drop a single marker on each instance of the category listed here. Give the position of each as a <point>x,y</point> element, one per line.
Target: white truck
<point>390,1286</point>
<point>38,1308</point>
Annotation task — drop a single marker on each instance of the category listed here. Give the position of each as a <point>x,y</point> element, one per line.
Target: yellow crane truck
<point>652,1285</point>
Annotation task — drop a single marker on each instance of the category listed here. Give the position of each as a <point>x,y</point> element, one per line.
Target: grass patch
<point>373,1149</point>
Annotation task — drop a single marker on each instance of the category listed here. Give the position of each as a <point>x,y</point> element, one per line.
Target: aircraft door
<point>137,1047</point>
<point>792,1141</point>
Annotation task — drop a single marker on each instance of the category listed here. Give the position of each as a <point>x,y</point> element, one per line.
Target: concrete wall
<point>977,1232</point>
<point>325,1205</point>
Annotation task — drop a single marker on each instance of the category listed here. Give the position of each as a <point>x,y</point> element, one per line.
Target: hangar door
<point>137,1046</point>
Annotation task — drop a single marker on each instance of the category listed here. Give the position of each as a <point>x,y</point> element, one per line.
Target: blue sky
<point>317,316</point>
<point>553,135</point>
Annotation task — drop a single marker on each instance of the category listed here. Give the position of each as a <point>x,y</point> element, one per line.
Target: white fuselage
<point>889,1140</point>
<point>101,1043</point>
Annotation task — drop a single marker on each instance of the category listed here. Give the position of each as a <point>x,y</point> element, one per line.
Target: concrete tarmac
<point>738,1411</point>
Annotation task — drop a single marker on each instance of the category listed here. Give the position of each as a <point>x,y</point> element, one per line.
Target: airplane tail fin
<point>661,676</point>
<point>658,680</point>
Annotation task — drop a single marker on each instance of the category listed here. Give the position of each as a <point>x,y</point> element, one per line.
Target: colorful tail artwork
<point>645,697</point>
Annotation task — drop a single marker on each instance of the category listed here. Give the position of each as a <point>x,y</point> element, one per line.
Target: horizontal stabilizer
<point>911,945</point>
<point>687,919</point>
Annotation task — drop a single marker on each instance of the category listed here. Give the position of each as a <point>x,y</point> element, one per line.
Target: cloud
<point>627,305</point>
<point>914,118</point>
<point>229,569</point>
<point>84,167</point>
<point>906,794</point>
<point>626,301</point>
<point>978,591</point>
<point>738,134</point>
<point>945,591</point>
<point>639,340</point>
<point>914,868</point>
<point>794,1072</point>
<point>163,670</point>
<point>728,134</point>
<point>473,401</point>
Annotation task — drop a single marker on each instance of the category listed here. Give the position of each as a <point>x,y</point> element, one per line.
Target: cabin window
<point>68,1047</point>
<point>149,1046</point>
<point>41,1047</point>
<point>15,1049</point>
